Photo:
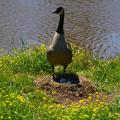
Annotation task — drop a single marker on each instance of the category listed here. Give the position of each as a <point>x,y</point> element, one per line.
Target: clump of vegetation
<point>20,99</point>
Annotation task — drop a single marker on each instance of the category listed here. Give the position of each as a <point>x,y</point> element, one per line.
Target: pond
<point>91,24</point>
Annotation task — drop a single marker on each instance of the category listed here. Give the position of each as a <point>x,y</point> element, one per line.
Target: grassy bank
<point>21,100</point>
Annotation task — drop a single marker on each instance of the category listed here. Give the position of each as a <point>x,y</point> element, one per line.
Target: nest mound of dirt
<point>67,88</point>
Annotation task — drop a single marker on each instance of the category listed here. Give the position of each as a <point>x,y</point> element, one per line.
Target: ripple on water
<point>109,48</point>
<point>93,24</point>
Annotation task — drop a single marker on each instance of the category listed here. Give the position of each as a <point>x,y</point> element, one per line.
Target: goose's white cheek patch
<point>61,12</point>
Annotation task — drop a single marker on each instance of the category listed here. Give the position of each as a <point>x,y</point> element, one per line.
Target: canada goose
<point>59,52</point>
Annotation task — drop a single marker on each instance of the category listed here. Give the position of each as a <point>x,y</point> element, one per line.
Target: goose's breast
<point>58,53</point>
<point>59,58</point>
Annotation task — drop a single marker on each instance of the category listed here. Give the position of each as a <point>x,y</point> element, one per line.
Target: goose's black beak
<point>54,12</point>
<point>57,11</point>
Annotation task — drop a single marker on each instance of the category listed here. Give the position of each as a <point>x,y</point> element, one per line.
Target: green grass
<point>20,100</point>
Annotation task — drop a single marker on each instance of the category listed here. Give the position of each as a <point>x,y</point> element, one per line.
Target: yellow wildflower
<point>118,114</point>
<point>54,92</point>
<point>110,114</point>
<point>101,103</point>
<point>45,106</point>
<point>97,100</point>
<point>89,97</point>
<point>95,110</point>
<point>81,101</point>
<point>105,96</point>
<point>44,98</point>
<point>86,116</point>
<point>21,98</point>
<point>94,114</point>
<point>97,93</point>
<point>37,91</point>
<point>42,48</point>
<point>97,96</point>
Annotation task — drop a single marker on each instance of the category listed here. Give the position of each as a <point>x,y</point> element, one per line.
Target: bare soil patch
<point>69,88</point>
<point>66,88</point>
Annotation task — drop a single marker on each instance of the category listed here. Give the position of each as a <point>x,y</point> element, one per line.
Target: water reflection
<point>110,48</point>
<point>93,24</point>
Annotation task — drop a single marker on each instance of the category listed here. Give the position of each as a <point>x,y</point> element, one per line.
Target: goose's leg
<point>53,70</point>
<point>65,66</point>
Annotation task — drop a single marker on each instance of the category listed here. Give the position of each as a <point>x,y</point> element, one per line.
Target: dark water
<point>93,24</point>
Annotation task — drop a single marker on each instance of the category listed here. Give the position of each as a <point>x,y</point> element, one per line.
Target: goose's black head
<point>59,10</point>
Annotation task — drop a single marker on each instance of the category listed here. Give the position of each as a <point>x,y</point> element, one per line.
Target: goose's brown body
<point>59,52</point>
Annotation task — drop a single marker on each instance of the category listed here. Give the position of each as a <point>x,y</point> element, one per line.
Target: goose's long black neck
<point>60,25</point>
